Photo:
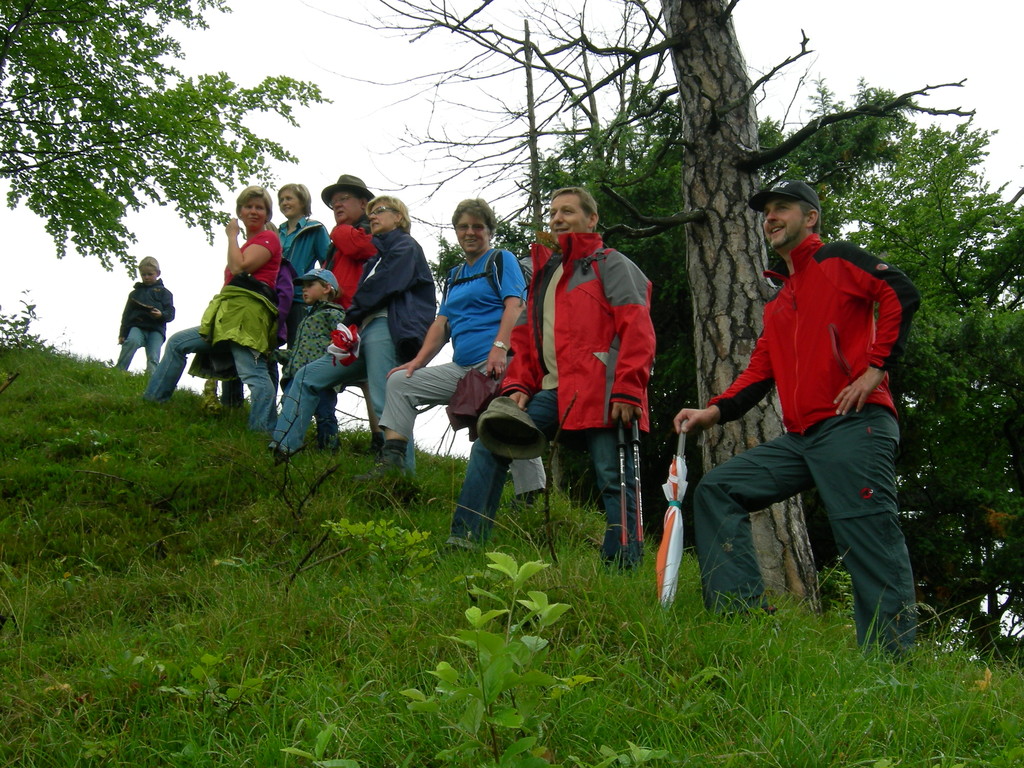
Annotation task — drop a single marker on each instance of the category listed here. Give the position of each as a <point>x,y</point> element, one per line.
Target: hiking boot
<point>390,463</point>
<point>459,544</point>
<point>281,456</point>
<point>327,438</point>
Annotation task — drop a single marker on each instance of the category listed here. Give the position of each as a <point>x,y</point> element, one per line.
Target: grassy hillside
<point>151,618</point>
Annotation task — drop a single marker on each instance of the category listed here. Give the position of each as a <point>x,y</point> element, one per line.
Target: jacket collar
<point>579,245</point>
<point>574,246</point>
<point>800,256</point>
<point>389,237</point>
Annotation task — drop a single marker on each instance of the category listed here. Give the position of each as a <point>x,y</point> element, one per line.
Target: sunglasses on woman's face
<point>382,209</point>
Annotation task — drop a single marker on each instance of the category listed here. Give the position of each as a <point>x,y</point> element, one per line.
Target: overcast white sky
<point>900,46</point>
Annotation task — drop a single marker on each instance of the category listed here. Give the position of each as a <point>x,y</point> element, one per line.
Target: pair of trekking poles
<point>623,500</point>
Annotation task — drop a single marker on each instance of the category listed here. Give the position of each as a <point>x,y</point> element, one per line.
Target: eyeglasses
<point>335,202</point>
<point>383,209</point>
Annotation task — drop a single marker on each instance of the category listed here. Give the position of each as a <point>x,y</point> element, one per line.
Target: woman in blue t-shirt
<point>483,299</point>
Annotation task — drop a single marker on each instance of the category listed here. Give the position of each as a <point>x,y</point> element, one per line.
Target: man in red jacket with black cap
<point>829,359</point>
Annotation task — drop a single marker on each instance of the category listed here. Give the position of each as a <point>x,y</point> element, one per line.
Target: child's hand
<point>120,340</point>
<point>156,312</point>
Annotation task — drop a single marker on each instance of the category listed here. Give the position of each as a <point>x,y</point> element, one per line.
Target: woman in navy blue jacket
<point>393,307</point>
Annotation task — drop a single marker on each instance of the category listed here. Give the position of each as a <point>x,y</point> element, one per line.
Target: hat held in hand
<point>507,430</point>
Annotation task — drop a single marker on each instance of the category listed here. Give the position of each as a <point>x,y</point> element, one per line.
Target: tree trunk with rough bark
<point>725,260</point>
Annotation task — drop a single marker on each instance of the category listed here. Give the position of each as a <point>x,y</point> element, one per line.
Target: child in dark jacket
<point>319,289</point>
<point>149,308</point>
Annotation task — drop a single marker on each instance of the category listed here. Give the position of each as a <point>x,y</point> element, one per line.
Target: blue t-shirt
<point>474,309</point>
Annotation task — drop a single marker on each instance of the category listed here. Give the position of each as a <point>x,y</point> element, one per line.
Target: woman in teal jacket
<point>304,243</point>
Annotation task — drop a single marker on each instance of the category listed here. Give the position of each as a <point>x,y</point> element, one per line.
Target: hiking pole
<point>623,533</point>
<point>636,482</point>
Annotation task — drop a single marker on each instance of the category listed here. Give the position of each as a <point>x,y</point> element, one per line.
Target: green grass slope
<point>169,597</point>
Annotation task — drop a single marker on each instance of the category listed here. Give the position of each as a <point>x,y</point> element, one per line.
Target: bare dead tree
<point>553,80</point>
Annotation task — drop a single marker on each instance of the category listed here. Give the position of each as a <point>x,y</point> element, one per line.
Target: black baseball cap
<point>799,190</point>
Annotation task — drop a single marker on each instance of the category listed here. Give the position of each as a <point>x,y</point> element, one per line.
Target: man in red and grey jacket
<point>582,362</point>
<point>829,359</point>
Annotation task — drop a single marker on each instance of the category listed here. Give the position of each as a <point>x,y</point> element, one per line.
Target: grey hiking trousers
<point>850,459</point>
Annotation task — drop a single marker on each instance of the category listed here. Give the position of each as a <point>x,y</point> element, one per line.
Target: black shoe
<point>390,463</point>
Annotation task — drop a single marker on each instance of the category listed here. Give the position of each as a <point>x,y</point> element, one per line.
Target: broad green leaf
<point>322,738</point>
<point>472,716</point>
<point>507,718</point>
<point>527,571</point>
<point>298,752</point>
<point>486,642</point>
<point>516,748</point>
<point>533,643</point>
<point>479,592</point>
<point>498,676</point>
<point>446,672</point>
<point>552,613</point>
<point>502,563</point>
<point>577,680</point>
<point>478,619</point>
<point>537,677</point>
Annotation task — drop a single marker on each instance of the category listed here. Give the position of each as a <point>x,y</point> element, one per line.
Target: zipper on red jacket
<point>796,359</point>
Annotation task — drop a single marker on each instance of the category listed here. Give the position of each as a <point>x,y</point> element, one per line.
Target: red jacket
<point>604,338</point>
<point>353,247</point>
<point>820,333</point>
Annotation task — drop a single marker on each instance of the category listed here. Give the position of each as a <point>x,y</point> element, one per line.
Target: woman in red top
<point>240,322</point>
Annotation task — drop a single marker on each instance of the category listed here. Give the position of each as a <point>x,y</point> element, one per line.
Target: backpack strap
<point>492,271</point>
<point>598,255</point>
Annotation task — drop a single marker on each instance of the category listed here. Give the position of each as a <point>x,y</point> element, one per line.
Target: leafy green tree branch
<point>95,120</point>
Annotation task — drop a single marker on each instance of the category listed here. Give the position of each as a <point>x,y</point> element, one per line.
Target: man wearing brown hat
<point>829,359</point>
<point>351,247</point>
<point>351,242</point>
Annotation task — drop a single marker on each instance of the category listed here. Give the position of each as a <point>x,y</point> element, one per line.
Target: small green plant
<point>14,329</point>
<point>501,691</point>
<point>206,687</point>
<point>498,704</point>
<point>323,738</point>
<point>837,589</point>
<point>1012,732</point>
<point>632,755</point>
<point>382,541</point>
<point>80,443</point>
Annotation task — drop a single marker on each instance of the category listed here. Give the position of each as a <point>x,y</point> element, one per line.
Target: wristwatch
<point>501,345</point>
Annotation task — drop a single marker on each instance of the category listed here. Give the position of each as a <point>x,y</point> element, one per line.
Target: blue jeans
<point>136,339</point>
<point>485,478</point>
<point>326,416</point>
<point>376,357</point>
<point>251,368</point>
